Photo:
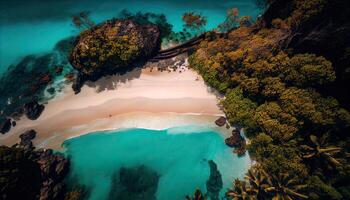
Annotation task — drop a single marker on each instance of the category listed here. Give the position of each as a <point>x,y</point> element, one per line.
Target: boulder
<point>115,46</point>
<point>221,121</point>
<point>33,110</point>
<point>5,125</point>
<point>234,141</point>
<point>26,139</point>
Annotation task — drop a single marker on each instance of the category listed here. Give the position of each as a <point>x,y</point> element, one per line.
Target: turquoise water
<point>180,156</point>
<point>34,27</point>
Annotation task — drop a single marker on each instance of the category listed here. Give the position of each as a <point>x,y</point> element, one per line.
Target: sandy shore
<point>145,98</point>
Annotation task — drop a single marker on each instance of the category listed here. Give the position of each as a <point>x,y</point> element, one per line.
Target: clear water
<point>179,155</point>
<point>35,26</point>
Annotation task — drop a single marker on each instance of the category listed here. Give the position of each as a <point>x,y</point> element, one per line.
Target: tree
<point>231,20</point>
<point>239,110</point>
<point>275,122</point>
<point>196,196</point>
<point>240,191</point>
<point>194,21</point>
<point>283,187</point>
<point>319,150</point>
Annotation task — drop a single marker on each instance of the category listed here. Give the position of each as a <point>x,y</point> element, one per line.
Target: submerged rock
<point>5,125</point>
<point>115,46</point>
<point>33,110</point>
<point>135,183</point>
<point>214,183</point>
<point>221,121</point>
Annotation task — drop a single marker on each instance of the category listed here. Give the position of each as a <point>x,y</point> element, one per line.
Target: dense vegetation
<point>297,133</point>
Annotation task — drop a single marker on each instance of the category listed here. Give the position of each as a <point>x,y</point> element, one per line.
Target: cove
<point>178,155</point>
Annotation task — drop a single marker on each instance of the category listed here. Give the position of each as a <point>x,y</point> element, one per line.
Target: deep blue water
<point>179,155</point>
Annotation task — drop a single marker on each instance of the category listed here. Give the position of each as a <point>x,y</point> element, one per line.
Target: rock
<point>33,110</point>
<point>234,141</point>
<point>14,123</point>
<point>44,79</point>
<point>51,90</point>
<point>26,140</point>
<point>214,183</point>
<point>5,125</point>
<point>116,46</point>
<point>138,182</point>
<point>59,70</point>
<point>221,121</point>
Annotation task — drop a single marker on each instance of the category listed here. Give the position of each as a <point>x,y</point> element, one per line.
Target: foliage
<point>194,21</point>
<point>278,97</point>
<point>239,110</point>
<point>20,176</point>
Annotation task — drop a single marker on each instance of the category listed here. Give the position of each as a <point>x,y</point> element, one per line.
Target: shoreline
<point>149,97</point>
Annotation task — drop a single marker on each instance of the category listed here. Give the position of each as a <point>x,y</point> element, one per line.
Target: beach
<point>143,98</point>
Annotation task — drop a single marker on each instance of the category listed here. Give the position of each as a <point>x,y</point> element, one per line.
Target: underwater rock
<point>5,125</point>
<point>33,110</point>
<point>115,46</point>
<point>135,183</point>
<point>58,70</point>
<point>214,183</point>
<point>221,121</point>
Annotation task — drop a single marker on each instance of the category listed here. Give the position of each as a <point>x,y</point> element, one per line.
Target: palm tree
<point>282,187</point>
<point>318,149</point>
<point>258,181</point>
<point>196,196</point>
<point>240,191</point>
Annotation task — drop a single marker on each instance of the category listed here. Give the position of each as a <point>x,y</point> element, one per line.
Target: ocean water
<point>180,156</point>
<point>34,26</point>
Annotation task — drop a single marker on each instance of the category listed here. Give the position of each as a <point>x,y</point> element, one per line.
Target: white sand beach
<point>143,98</point>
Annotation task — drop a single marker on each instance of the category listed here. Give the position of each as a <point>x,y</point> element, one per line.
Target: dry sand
<point>143,98</point>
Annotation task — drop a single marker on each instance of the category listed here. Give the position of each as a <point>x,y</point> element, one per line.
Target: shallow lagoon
<point>179,155</point>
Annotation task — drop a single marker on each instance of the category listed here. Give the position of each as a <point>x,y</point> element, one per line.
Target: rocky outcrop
<point>26,140</point>
<point>54,167</point>
<point>214,183</point>
<point>115,46</point>
<point>50,170</point>
<point>33,110</point>
<point>5,125</point>
<point>221,121</point>
<point>236,141</point>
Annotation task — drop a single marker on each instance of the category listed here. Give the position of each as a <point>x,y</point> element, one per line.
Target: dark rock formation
<point>54,167</point>
<point>5,125</point>
<point>33,110</point>
<point>236,141</point>
<point>26,139</point>
<point>135,183</point>
<point>214,183</point>
<point>221,121</point>
<point>14,123</point>
<point>31,174</point>
<point>115,46</point>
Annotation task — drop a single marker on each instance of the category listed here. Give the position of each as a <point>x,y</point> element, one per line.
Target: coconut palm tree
<point>240,191</point>
<point>283,187</point>
<point>196,196</point>
<point>258,181</point>
<point>318,149</point>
